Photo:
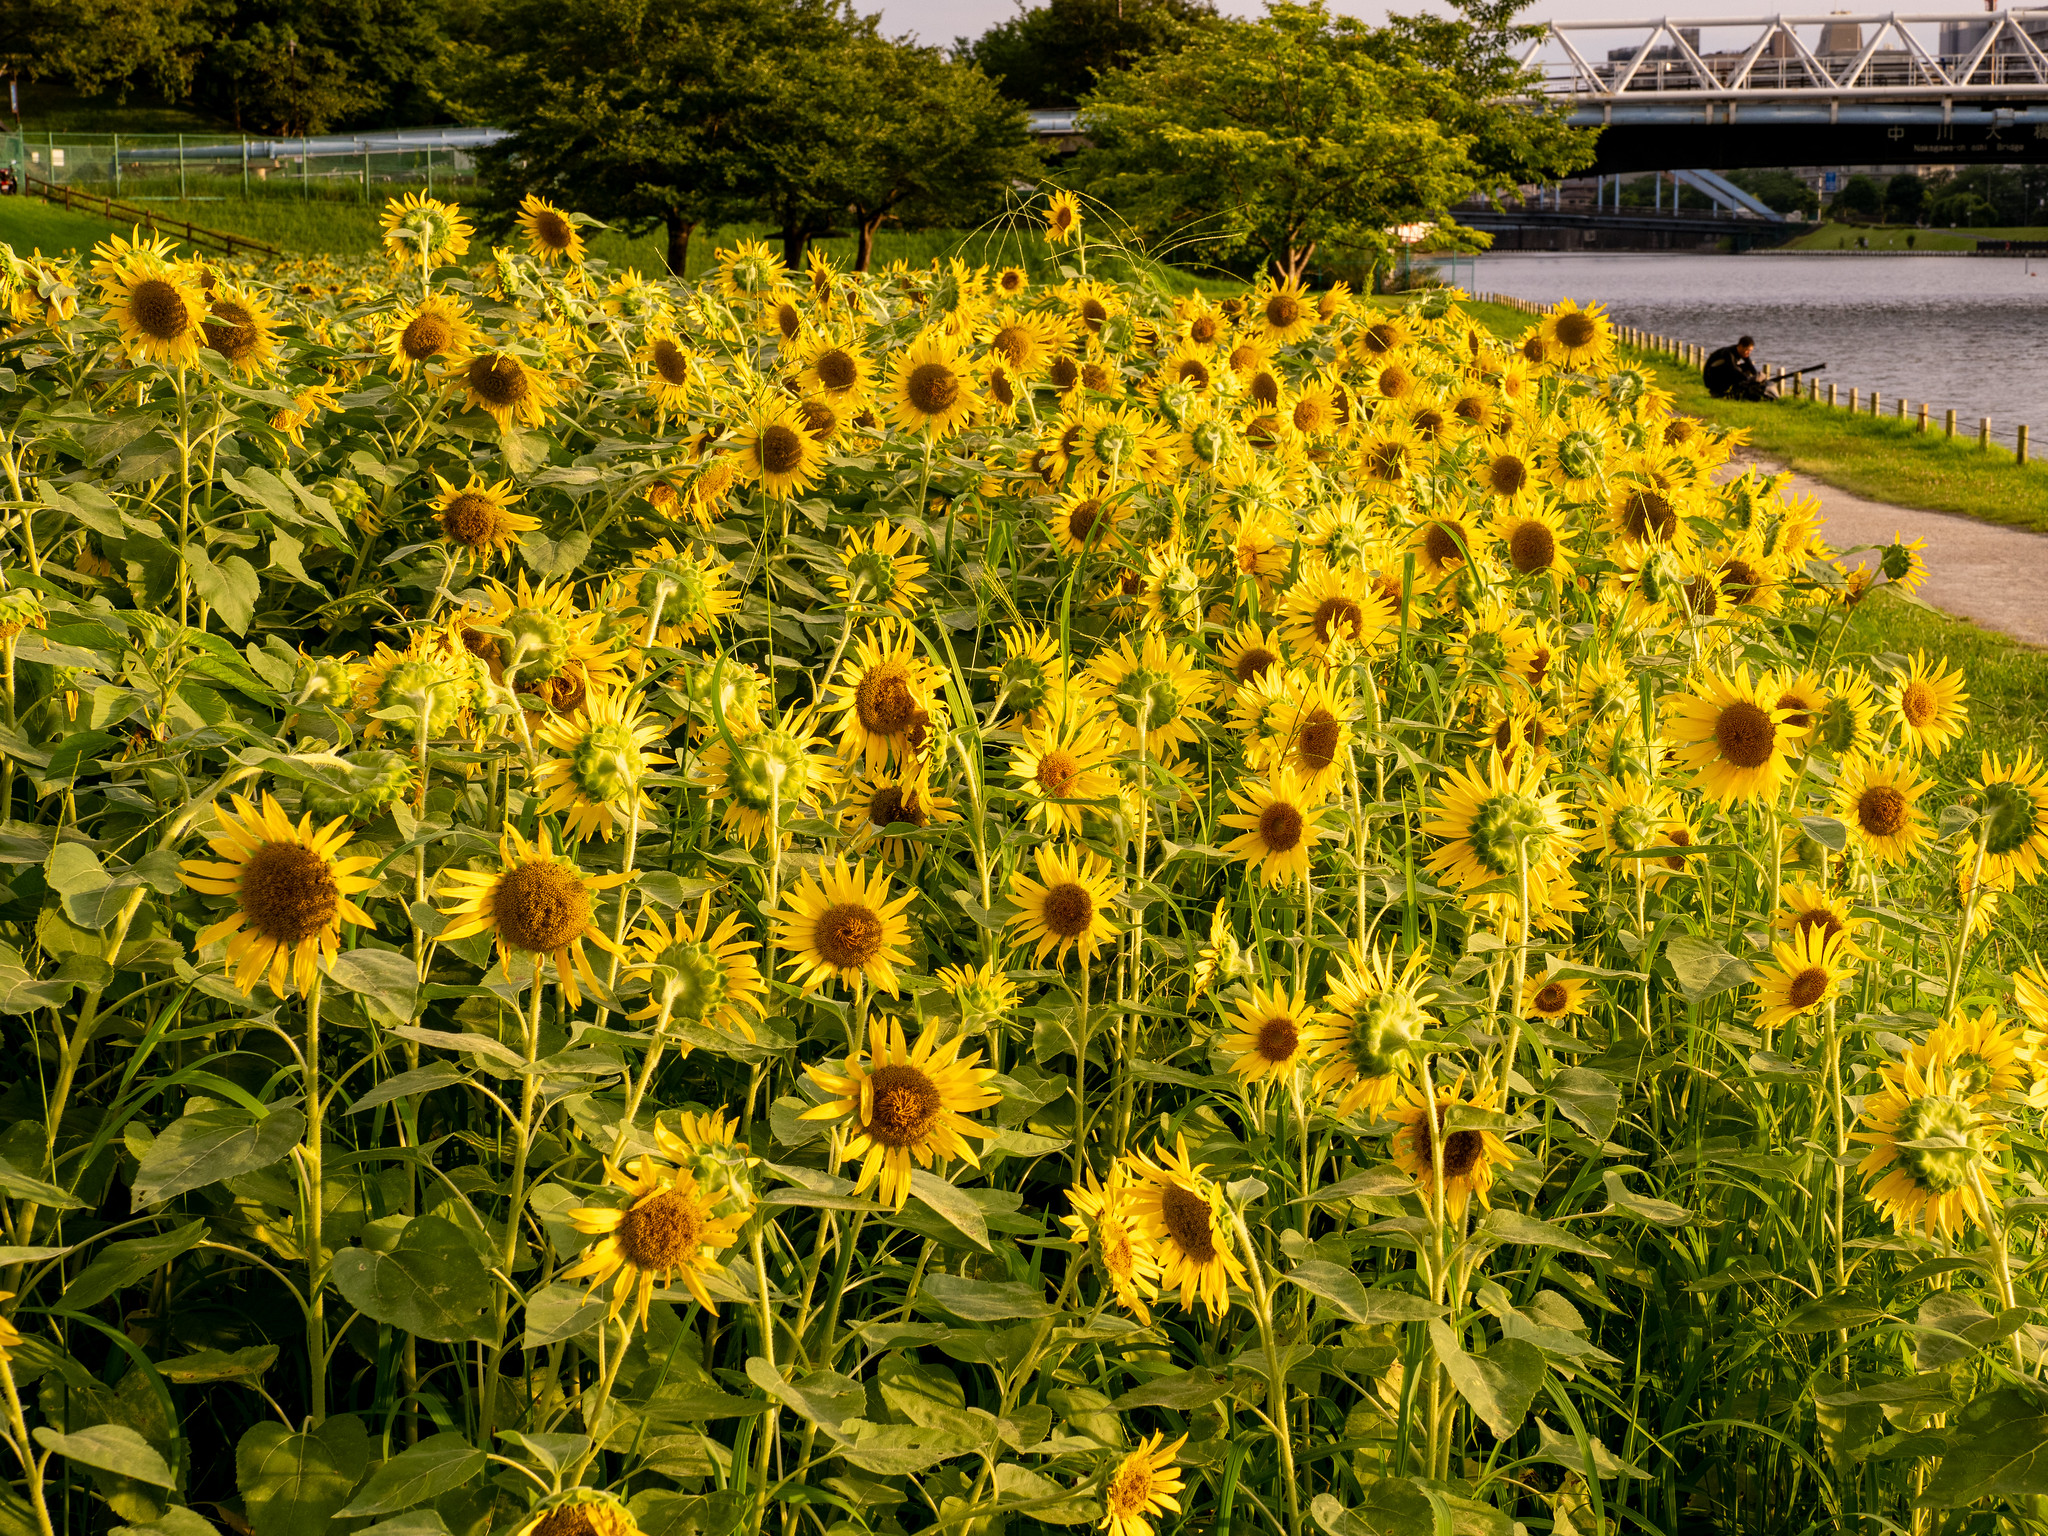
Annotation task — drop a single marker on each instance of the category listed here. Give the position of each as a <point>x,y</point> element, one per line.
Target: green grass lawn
<point>1900,237</point>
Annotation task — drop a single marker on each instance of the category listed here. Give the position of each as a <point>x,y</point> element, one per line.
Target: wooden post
<point>1834,397</point>
<point>1983,431</point>
<point>117,165</point>
<point>181,165</point>
<point>1873,403</point>
<point>1855,402</point>
<point>1902,407</point>
<point>2021,447</point>
<point>1948,425</point>
<point>1923,415</point>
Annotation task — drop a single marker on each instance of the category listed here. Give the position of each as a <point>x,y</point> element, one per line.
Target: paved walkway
<point>1995,577</point>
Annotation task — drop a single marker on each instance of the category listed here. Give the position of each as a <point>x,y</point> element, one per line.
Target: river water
<point>1963,332</point>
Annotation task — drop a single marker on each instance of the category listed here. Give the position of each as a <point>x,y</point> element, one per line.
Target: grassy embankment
<point>1903,237</point>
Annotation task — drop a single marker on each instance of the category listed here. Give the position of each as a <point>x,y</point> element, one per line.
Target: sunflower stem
<point>25,1448</point>
<point>508,1243</point>
<point>312,1178</point>
<point>1081,1076</point>
<point>1970,899</point>
<point>1276,1374</point>
<point>647,1067</point>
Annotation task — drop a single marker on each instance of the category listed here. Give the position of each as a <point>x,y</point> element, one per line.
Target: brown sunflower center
<point>232,330</point>
<point>891,805</point>
<point>1507,474</point>
<point>1318,740</point>
<point>1533,350</point>
<point>782,449</point>
<point>426,335</point>
<point>1379,338</point>
<point>1807,987</point>
<point>1645,514</point>
<point>1264,388</point>
<point>159,310</point>
<point>836,369</point>
<point>1056,773</point>
<point>1334,613</point>
<point>932,388</point>
<point>1069,909</point>
<point>1443,543</point>
<point>541,907</point>
<point>1065,373</point>
<point>1281,826</point>
<point>1278,1039</point>
<point>820,420</point>
<point>1081,519</point>
<point>288,893</point>
<point>1099,377</point>
<point>1740,579</point>
<point>1093,313</point>
<point>1819,918</point>
<point>1192,370</point>
<point>788,321</point>
<point>1551,999</point>
<point>849,934</point>
<point>1745,734</point>
<point>498,380</point>
<point>882,699</point>
<point>1203,330</point>
<point>1575,331</point>
<point>1918,703</point>
<point>471,520</point>
<point>1013,342</point>
<point>1253,663</point>
<point>1532,547</point>
<point>567,1520</point>
<point>1189,1222</point>
<point>907,1104</point>
<point>553,231</point>
<point>661,1232</point>
<point>671,362</point>
<point>1881,811</point>
<point>1282,311</point>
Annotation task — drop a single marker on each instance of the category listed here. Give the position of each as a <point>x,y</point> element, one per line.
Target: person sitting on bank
<point>1730,375</point>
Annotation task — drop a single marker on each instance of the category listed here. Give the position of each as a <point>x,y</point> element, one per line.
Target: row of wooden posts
<point>1693,355</point>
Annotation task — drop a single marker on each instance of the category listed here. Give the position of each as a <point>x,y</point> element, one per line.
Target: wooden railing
<point>227,243</point>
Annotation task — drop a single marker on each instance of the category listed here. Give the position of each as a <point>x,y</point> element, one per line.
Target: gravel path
<point>1994,577</point>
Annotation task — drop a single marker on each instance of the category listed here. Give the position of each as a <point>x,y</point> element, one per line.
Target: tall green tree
<point>105,45</point>
<point>1277,138</point>
<point>645,113</point>
<point>1051,55</point>
<point>877,129</point>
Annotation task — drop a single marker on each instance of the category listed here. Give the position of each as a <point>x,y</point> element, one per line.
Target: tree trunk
<point>867,242</point>
<point>1296,261</point>
<point>794,238</point>
<point>679,229</point>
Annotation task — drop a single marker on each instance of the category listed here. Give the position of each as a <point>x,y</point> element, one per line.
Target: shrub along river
<point>1968,332</point>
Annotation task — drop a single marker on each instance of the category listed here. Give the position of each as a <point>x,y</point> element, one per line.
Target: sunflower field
<point>976,901</point>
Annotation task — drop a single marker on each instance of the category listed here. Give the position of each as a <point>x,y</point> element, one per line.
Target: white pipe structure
<point>1771,61</point>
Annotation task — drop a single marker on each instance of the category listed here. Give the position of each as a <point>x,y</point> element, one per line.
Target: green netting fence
<point>191,167</point>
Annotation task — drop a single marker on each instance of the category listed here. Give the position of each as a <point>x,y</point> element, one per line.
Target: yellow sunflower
<point>2014,807</point>
<point>1737,740</point>
<point>1805,907</point>
<point>1808,970</point>
<point>903,797</point>
<point>1579,339</point>
<point>1084,518</point>
<point>1470,1157</point>
<point>1062,218</point>
<point>1103,1218</point>
<point>776,448</point>
<point>1329,606</point>
<point>884,697</point>
<point>437,326</point>
<point>291,893</point>
<point>1154,689</point>
<point>598,779</point>
<point>1067,906</point>
<point>1273,1034</point>
<point>877,570</point>
<point>1929,703</point>
<point>581,1512</point>
<point>1062,764</point>
<point>161,312</point>
<point>478,519</point>
<point>536,906</point>
<point>841,924</point>
<point>1372,1026</point>
<point>1878,798</point>
<point>505,389</point>
<point>425,231</point>
<point>1145,1484</point>
<point>1286,314</point>
<point>674,1228</point>
<point>768,775</point>
<point>905,1103</point>
<point>1933,1154</point>
<point>932,387</point>
<point>696,973</point>
<point>1536,540</point>
<point>749,269</point>
<point>1250,651</point>
<point>1181,1213</point>
<point>1278,822</point>
<point>1552,998</point>
<point>1984,1057</point>
<point>674,369</point>
<point>241,328</point>
<point>1495,819</point>
<point>551,235</point>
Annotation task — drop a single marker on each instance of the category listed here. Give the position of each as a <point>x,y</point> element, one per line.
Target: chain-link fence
<point>163,167</point>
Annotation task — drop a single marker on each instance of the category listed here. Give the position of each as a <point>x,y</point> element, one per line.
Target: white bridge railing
<point>1843,57</point>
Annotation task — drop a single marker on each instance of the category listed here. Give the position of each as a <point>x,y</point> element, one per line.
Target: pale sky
<point>940,21</point>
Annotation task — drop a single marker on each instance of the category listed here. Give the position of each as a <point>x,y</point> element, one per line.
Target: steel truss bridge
<point>1835,89</point>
